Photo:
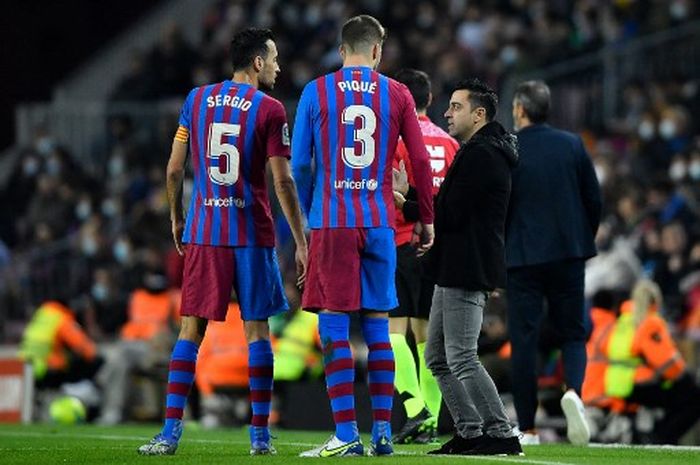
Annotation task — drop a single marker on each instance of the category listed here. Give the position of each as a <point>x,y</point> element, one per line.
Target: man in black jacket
<point>467,263</point>
<point>553,217</point>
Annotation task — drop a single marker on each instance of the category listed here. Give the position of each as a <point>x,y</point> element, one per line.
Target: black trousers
<point>681,406</point>
<point>560,284</point>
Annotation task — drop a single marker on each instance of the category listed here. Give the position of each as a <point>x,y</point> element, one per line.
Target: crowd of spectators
<point>91,238</point>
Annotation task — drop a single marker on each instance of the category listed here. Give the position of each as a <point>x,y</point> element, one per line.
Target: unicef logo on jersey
<point>359,184</point>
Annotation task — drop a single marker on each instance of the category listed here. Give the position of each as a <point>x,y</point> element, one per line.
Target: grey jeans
<point>450,353</point>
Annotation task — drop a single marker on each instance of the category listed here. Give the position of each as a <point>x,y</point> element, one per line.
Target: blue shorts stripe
<point>259,283</point>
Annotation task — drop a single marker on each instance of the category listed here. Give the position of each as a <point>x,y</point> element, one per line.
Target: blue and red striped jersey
<point>232,128</point>
<point>348,123</point>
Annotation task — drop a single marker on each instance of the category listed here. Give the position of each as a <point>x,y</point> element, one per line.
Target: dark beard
<point>265,87</point>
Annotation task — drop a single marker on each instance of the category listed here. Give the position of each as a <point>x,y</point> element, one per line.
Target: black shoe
<point>411,429</point>
<point>428,436</point>
<point>460,446</point>
<point>496,446</point>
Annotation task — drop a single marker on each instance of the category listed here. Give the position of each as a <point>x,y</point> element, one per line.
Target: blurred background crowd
<point>94,234</point>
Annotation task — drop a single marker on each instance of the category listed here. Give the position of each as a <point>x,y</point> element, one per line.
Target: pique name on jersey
<point>358,86</point>
<point>233,101</point>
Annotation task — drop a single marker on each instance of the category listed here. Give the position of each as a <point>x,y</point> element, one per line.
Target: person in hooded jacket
<point>467,263</point>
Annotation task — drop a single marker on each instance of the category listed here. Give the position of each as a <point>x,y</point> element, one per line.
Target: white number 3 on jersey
<point>363,133</point>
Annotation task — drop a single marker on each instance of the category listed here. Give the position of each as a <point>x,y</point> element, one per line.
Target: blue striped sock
<point>380,371</point>
<point>260,371</point>
<point>334,330</point>
<point>180,378</point>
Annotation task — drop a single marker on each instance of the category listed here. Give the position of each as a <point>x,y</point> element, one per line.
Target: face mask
<point>646,130</point>
<point>121,251</point>
<point>677,171</point>
<point>109,208</point>
<point>99,292</point>
<point>44,146</point>
<point>88,246</point>
<point>667,129</point>
<point>694,170</point>
<point>678,10</point>
<point>83,210</point>
<point>116,166</point>
<point>53,166</point>
<point>30,167</point>
<point>509,54</point>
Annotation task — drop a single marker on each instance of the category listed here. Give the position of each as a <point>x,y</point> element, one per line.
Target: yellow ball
<point>67,411</point>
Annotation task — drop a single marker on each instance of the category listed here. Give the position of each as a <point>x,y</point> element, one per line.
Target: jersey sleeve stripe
<point>208,114</point>
<point>249,150</point>
<point>215,236</point>
<point>332,123</point>
<point>383,129</point>
<point>192,221</point>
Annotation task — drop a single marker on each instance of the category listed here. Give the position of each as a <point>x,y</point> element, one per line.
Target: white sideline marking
<point>512,459</point>
<point>660,447</point>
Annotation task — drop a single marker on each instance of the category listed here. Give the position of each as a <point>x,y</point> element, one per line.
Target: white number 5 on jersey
<point>218,149</point>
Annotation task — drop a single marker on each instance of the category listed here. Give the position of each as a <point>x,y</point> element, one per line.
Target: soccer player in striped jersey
<point>232,130</point>
<point>417,388</point>
<point>349,122</point>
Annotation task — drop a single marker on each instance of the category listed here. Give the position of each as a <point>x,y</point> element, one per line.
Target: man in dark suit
<point>467,263</point>
<point>553,217</point>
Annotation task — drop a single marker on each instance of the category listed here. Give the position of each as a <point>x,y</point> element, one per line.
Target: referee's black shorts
<point>415,293</point>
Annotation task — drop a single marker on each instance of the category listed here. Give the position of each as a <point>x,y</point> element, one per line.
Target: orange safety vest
<point>223,355</point>
<point>653,343</point>
<point>48,337</point>
<point>593,389</point>
<point>149,315</point>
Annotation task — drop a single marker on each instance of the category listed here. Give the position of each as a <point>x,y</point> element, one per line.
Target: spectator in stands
<point>222,365</point>
<point>57,347</point>
<point>554,211</point>
<point>145,342</point>
<point>105,311</point>
<point>645,366</point>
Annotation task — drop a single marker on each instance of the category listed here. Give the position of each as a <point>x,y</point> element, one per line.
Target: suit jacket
<point>470,213</point>
<point>555,203</point>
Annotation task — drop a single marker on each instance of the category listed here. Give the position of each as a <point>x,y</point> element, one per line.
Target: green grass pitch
<point>85,444</point>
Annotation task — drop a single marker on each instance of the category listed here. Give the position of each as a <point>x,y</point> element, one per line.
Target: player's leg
<point>406,380</point>
<point>428,384</point>
<point>378,296</point>
<point>333,262</point>
<point>261,295</point>
<point>207,281</point>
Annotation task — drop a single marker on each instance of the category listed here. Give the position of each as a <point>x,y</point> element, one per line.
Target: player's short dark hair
<point>418,84</point>
<point>480,95</point>
<point>248,44</point>
<point>361,32</point>
<point>535,98</point>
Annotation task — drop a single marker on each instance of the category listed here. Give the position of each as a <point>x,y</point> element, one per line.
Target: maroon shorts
<point>212,272</point>
<point>351,269</point>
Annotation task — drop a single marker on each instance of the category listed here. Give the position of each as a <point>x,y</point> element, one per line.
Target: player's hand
<point>400,178</point>
<point>399,200</point>
<point>427,236</point>
<point>301,257</point>
<point>178,226</point>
